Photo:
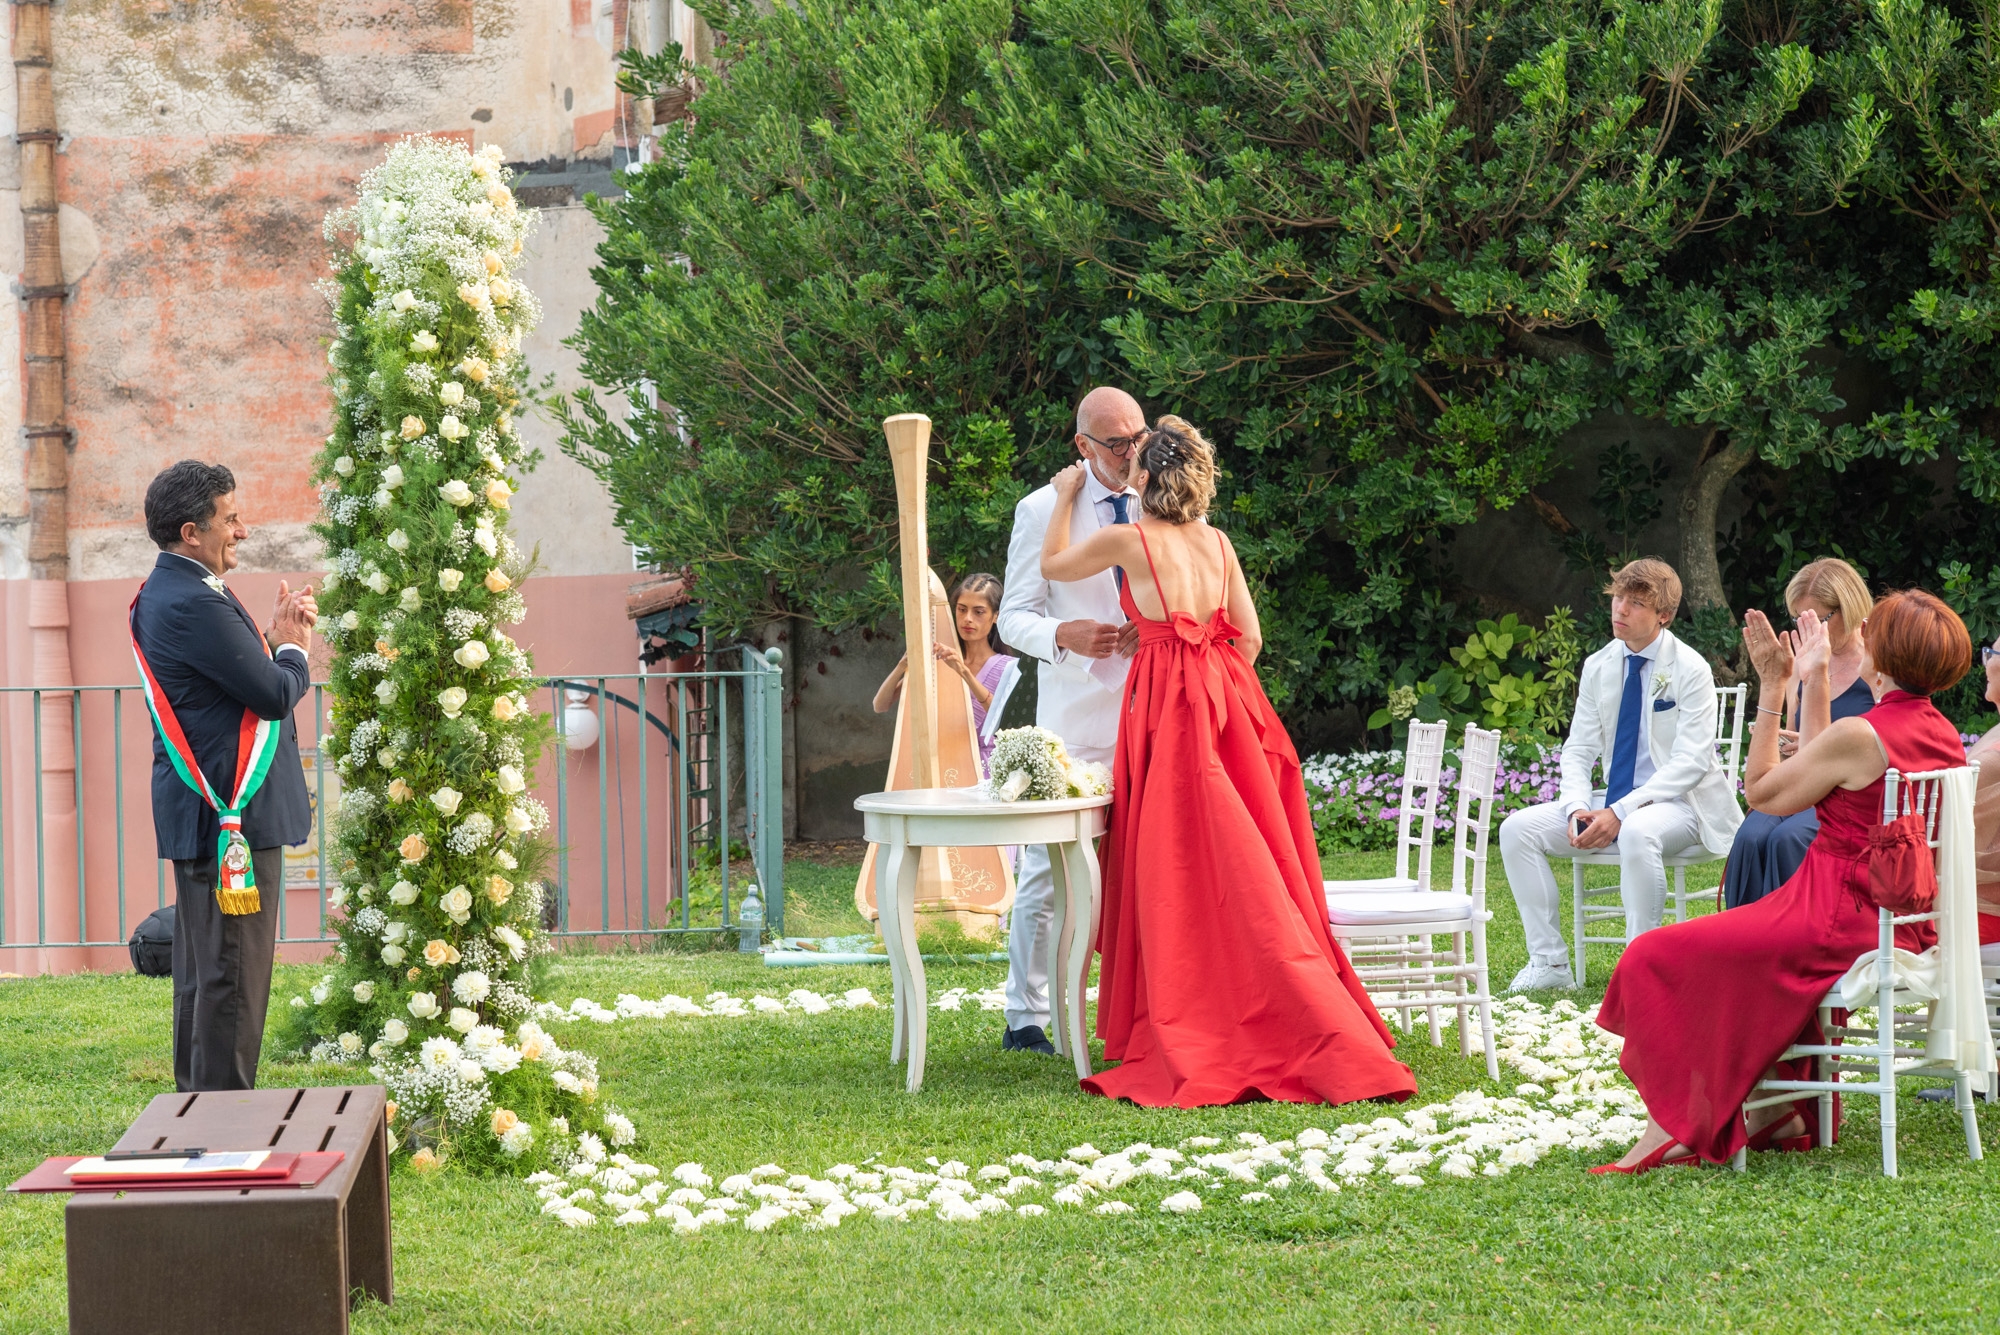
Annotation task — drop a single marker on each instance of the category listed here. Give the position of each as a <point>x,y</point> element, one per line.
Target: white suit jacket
<point>1679,719</point>
<point>1078,697</point>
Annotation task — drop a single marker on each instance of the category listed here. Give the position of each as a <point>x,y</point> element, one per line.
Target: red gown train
<point>1706,1006</point>
<point>1219,981</point>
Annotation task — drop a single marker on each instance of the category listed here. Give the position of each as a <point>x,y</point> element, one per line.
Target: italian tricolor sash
<point>256,744</point>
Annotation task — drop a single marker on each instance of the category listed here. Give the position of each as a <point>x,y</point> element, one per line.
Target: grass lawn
<point>1800,1242</point>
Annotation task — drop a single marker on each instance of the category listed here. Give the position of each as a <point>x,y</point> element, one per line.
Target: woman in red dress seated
<point>1708,1006</point>
<point>1220,981</point>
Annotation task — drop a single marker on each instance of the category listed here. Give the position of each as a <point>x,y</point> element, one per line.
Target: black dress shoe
<point>1028,1038</point>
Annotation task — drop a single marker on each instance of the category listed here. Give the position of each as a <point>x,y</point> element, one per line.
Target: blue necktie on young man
<point>1625,747</point>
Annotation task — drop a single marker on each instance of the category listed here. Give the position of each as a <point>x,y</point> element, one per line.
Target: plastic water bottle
<point>750,923</point>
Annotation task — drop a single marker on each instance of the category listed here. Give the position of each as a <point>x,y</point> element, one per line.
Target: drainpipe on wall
<point>48,442</point>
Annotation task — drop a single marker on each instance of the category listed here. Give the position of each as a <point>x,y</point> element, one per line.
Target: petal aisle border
<point>1576,1099</point>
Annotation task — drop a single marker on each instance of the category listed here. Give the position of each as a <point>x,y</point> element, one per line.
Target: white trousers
<point>1028,927</point>
<point>1529,837</point>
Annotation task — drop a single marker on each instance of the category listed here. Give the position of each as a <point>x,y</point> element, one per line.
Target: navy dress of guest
<point>1768,849</point>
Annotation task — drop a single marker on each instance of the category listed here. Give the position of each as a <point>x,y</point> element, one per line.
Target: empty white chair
<point>1416,813</point>
<point>1588,904</point>
<point>1915,1040</point>
<point>1389,934</point>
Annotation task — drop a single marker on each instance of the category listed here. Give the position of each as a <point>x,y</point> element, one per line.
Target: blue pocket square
<point>1659,705</point>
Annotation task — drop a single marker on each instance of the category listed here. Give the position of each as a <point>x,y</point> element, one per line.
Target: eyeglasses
<point>1118,446</point>
<point>1987,655</point>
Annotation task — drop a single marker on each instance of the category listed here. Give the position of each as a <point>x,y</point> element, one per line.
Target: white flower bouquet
<point>1033,764</point>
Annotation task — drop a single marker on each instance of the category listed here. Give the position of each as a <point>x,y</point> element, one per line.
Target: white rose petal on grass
<point>1408,1180</point>
<point>1181,1202</point>
<point>1114,1207</point>
<point>1251,1197</point>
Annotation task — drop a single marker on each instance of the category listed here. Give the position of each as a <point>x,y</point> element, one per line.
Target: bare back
<point>1189,571</point>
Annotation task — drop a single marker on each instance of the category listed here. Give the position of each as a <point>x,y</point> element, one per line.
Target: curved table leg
<point>1080,935</point>
<point>916,1012</point>
<point>1059,928</point>
<point>889,859</point>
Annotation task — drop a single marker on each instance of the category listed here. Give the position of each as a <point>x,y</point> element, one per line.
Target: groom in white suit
<point>1083,643</point>
<point>1645,706</point>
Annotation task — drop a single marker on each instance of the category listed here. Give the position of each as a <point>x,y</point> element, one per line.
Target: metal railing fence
<point>685,770</point>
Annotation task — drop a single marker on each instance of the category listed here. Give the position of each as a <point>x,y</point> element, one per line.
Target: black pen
<point>116,1155</point>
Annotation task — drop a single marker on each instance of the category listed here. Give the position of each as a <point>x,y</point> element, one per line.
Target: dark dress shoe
<point>1028,1038</point>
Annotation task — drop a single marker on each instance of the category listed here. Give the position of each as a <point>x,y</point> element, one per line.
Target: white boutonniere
<point>213,582</point>
<point>1661,681</point>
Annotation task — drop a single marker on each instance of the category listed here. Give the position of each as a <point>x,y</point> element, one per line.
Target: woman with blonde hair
<point>1769,848</point>
<point>1220,981</point>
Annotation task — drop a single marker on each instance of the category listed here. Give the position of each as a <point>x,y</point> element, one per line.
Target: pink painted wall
<point>576,627</point>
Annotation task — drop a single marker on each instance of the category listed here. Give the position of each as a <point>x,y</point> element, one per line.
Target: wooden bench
<point>255,1259</point>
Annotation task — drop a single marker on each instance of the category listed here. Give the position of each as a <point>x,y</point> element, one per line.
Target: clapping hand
<point>1769,653</point>
<point>294,616</point>
<point>1812,647</point>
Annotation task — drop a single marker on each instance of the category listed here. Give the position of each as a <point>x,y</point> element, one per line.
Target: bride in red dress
<point>1219,981</point>
<point>1707,1006</point>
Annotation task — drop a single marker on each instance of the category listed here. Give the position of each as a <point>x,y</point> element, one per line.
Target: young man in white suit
<point>1082,641</point>
<point>1645,707</point>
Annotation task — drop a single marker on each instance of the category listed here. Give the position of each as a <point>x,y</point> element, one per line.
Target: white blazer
<point>1680,736</point>
<point>1078,697</point>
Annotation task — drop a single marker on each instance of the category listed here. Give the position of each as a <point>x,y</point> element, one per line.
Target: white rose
<point>566,1082</point>
<point>399,541</point>
<point>382,499</point>
<point>377,582</point>
<point>385,691</point>
<point>520,1138</point>
<point>453,429</point>
<point>402,892</point>
<point>424,1006</point>
<point>395,1032</point>
<point>455,491</point>
<point>463,1020</point>
<point>350,620</point>
<point>483,538</point>
<point>471,1072</point>
<point>472,654</point>
<point>506,859</point>
<point>451,393</point>
<point>344,466</point>
<point>471,987</point>
<point>424,341</point>
<point>350,1043</point>
<point>396,931</point>
<point>410,600</point>
<point>451,700</point>
<point>508,780</point>
<point>392,956</point>
<point>519,821</point>
<point>446,800</point>
<point>449,580</point>
<point>364,992</point>
<point>456,903</point>
<point>473,294</point>
<point>392,478</point>
<point>403,300</point>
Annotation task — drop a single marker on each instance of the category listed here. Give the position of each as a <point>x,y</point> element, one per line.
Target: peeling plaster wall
<point>14,455</point>
<point>205,142</point>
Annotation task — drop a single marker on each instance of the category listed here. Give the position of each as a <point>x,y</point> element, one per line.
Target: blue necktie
<point>1121,513</point>
<point>1625,749</point>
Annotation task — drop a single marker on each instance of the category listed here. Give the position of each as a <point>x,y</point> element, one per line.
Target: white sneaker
<point>1542,978</point>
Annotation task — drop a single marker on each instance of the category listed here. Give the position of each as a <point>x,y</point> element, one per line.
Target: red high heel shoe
<point>1657,1159</point>
<point>1767,1137</point>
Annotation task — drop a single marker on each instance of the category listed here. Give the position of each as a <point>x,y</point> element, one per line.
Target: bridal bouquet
<point>1033,763</point>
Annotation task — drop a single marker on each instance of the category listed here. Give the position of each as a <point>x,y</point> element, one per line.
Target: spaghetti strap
<point>1159,591</point>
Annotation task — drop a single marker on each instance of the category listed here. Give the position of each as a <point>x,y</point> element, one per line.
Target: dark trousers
<point>222,975</point>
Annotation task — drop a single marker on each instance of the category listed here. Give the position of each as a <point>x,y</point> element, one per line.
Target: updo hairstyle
<point>1180,471</point>
<point>1918,642</point>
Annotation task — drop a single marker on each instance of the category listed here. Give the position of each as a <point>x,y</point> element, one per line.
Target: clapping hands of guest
<point>1770,653</point>
<point>293,617</point>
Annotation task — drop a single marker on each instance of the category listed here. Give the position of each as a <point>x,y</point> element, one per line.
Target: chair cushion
<point>1379,883</point>
<point>1375,908</point>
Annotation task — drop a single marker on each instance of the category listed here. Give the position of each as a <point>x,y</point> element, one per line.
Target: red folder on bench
<point>279,1170</point>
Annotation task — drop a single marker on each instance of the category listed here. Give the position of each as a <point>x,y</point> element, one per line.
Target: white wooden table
<point>901,823</point>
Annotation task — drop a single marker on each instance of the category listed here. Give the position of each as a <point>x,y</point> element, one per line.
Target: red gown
<point>1219,980</point>
<point>1706,1006</point>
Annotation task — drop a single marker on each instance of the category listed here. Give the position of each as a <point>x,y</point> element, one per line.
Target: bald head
<point>1111,416</point>
<point>1107,412</point>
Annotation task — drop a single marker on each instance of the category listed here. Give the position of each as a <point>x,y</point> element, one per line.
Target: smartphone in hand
<point>1579,821</point>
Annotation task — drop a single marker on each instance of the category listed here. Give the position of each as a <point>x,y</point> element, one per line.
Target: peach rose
<point>499,494</point>
<point>504,708</point>
<point>413,848</point>
<point>413,426</point>
<point>439,952</point>
<point>499,889</point>
<point>496,578</point>
<point>424,1160</point>
<point>504,1121</point>
<point>400,791</point>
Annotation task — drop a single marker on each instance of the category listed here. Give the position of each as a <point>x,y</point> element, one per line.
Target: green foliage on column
<point>437,909</point>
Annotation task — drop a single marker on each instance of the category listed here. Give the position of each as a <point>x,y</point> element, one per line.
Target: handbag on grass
<point>1902,875</point>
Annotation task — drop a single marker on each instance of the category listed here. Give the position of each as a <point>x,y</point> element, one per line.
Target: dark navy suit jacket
<point>208,657</point>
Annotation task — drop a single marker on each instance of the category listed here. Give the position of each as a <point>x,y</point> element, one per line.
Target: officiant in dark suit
<point>228,789</point>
